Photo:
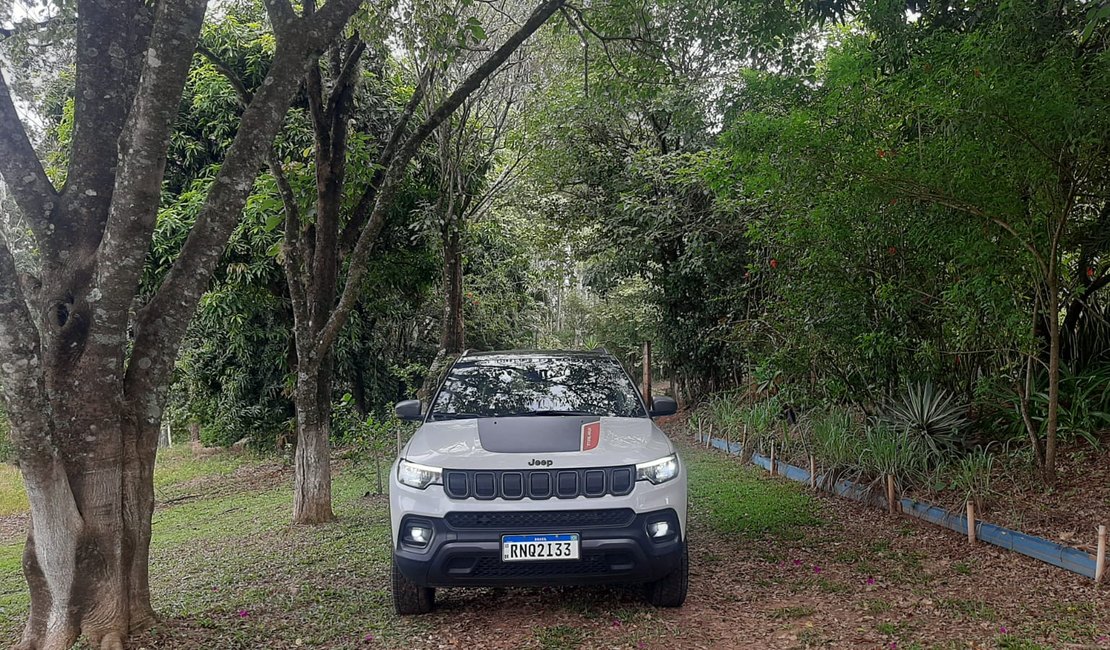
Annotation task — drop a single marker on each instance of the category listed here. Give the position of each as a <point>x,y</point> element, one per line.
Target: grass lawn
<point>12,497</point>
<point>228,571</point>
<point>734,499</point>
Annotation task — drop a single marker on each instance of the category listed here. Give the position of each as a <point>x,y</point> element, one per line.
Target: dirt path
<point>860,579</point>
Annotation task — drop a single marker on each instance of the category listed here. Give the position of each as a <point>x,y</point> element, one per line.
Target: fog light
<point>420,535</point>
<point>659,529</point>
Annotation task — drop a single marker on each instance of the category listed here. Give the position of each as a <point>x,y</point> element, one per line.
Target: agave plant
<point>931,414</point>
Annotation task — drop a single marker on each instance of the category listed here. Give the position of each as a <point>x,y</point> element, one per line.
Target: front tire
<point>409,598</point>
<point>670,591</point>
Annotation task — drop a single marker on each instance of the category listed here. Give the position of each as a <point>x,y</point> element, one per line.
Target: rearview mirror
<point>409,410</point>
<point>663,405</point>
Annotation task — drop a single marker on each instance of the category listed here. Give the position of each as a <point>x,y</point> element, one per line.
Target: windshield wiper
<point>436,417</point>
<point>541,413</point>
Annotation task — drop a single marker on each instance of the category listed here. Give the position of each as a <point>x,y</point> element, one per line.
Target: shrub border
<point>1058,555</point>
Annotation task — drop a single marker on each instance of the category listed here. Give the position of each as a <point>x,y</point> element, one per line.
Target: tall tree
<point>475,166</point>
<point>315,249</point>
<point>85,370</point>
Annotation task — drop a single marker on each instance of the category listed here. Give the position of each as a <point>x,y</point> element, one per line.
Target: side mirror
<point>663,405</point>
<point>409,410</point>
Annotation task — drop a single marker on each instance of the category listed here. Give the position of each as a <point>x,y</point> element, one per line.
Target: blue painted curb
<point>1064,557</point>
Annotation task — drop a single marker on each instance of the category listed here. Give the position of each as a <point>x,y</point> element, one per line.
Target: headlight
<point>658,471</point>
<point>418,476</point>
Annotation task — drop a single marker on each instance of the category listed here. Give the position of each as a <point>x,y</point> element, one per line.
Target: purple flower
<point>244,613</point>
<point>893,645</point>
<point>369,638</point>
<point>797,563</point>
<point>870,581</point>
<point>616,622</point>
<point>1003,630</point>
<point>817,569</point>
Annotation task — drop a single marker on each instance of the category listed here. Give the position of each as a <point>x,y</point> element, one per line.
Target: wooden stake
<point>891,502</point>
<point>812,473</point>
<point>1100,559</point>
<point>970,522</point>
<point>772,459</point>
<point>647,373</point>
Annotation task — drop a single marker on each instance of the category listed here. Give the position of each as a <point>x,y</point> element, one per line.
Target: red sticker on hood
<point>591,435</point>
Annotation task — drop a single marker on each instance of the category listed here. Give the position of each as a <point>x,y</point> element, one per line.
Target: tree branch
<point>314,88</point>
<point>282,16</point>
<point>22,383</point>
<point>22,171</point>
<point>229,74</point>
<point>112,50</point>
<point>138,188</point>
<point>162,323</point>
<point>365,204</point>
<point>915,190</point>
<point>346,75</point>
<point>291,258</point>
<point>398,166</point>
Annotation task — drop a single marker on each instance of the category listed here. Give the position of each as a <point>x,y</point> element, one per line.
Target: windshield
<point>502,386</point>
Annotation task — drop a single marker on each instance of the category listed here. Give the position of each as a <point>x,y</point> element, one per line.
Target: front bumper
<point>465,549</point>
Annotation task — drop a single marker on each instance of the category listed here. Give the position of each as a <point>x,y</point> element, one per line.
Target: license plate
<point>533,548</point>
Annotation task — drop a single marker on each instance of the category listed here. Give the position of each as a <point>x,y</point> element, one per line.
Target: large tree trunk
<point>312,482</point>
<point>87,550</point>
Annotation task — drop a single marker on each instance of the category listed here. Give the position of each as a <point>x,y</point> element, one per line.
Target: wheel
<point>410,598</point>
<point>670,591</point>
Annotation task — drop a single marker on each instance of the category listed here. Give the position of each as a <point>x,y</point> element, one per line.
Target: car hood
<point>537,442</point>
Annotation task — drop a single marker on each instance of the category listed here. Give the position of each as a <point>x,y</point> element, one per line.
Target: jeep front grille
<point>539,483</point>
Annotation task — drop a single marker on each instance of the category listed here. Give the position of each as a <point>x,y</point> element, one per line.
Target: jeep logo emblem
<point>540,462</point>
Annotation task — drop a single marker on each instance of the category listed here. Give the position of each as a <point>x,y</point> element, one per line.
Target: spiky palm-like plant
<point>930,413</point>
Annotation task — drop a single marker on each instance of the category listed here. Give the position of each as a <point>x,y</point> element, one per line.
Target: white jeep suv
<point>535,468</point>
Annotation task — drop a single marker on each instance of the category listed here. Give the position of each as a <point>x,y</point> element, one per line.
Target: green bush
<point>971,477</point>
<point>834,442</point>
<point>723,415</point>
<point>761,424</point>
<point>371,442</point>
<point>895,452</point>
<point>1084,407</point>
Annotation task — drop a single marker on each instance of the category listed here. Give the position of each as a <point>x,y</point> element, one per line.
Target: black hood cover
<point>533,434</point>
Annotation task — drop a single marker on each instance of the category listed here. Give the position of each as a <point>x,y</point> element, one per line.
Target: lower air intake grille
<point>597,564</point>
<point>547,520</point>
